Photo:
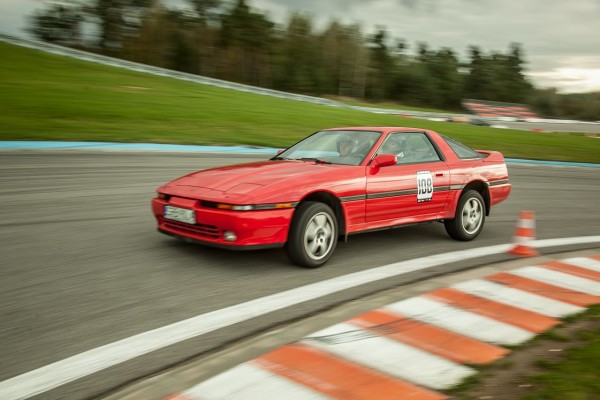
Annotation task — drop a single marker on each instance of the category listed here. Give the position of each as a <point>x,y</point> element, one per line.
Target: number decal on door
<point>424,186</point>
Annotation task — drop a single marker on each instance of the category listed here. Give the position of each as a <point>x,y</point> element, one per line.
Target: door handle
<point>439,174</point>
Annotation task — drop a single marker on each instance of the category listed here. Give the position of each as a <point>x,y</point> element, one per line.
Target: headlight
<point>249,207</point>
<point>234,207</point>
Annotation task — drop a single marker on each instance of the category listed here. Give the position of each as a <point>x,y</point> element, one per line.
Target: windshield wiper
<point>317,160</point>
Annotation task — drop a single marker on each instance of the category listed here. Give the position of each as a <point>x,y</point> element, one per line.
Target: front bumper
<point>253,229</point>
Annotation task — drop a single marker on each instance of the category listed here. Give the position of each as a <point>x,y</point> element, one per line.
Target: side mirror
<point>384,160</point>
<point>280,151</point>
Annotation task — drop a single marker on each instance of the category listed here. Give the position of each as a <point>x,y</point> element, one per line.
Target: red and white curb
<point>412,348</point>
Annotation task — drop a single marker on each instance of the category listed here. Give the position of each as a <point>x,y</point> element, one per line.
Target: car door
<point>413,190</point>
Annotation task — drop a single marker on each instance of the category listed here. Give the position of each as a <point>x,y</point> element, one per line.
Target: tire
<point>469,219</point>
<point>313,235</point>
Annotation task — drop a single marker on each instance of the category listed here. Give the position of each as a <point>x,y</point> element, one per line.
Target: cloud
<point>14,13</point>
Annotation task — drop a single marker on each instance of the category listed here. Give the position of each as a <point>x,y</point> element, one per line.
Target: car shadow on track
<point>359,251</point>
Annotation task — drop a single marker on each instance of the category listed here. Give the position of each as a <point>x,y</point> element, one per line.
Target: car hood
<point>244,180</point>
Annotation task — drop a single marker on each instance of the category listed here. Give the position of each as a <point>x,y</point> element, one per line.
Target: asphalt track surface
<point>82,264</point>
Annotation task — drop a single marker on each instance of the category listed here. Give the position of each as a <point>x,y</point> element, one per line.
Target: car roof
<point>383,129</point>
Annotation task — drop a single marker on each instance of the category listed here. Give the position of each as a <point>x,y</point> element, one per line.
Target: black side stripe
<point>397,193</point>
<point>392,194</point>
<point>353,198</point>
<point>498,182</point>
<point>413,191</point>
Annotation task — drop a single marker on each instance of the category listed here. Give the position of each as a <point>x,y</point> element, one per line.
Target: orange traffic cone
<point>524,233</point>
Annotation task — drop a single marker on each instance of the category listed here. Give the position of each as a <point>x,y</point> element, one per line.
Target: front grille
<point>210,231</point>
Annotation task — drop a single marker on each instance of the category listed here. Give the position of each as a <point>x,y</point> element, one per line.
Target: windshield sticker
<point>424,186</point>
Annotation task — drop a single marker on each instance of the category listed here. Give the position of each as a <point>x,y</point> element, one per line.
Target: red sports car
<point>334,183</point>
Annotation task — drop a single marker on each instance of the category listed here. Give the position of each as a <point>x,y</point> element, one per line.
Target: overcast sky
<point>561,38</point>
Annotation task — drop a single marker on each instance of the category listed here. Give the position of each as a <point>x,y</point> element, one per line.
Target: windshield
<point>335,147</point>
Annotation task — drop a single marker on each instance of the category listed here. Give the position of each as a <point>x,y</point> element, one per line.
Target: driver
<point>346,145</point>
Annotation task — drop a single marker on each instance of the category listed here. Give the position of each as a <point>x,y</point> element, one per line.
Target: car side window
<point>409,148</point>
<point>462,151</point>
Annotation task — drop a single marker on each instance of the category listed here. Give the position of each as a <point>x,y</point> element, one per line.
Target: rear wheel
<point>470,216</point>
<point>313,235</point>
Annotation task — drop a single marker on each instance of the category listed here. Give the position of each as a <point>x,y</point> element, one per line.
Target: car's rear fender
<point>482,188</point>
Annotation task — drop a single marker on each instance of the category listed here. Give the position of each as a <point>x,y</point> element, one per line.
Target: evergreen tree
<point>299,64</point>
<point>60,24</point>
<point>245,39</point>
<point>119,21</point>
<point>478,78</point>
<point>518,86</point>
<point>380,74</point>
<point>443,69</point>
<point>206,9</point>
<point>344,60</point>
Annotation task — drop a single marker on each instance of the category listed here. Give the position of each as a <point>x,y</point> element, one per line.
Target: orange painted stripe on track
<point>545,289</point>
<point>596,257</point>
<point>339,378</point>
<point>573,270</point>
<point>525,319</point>
<point>430,338</point>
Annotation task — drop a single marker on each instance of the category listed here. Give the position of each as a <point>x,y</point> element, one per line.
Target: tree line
<point>230,40</point>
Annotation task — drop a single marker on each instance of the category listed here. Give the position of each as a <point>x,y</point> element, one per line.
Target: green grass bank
<point>49,97</point>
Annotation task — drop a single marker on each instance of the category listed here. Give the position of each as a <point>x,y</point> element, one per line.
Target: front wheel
<point>313,235</point>
<point>470,216</point>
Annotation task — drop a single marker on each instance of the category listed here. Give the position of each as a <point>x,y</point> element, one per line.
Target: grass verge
<point>577,374</point>
<point>561,364</point>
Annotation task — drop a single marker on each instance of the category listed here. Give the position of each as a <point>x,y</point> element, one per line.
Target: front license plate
<point>180,214</point>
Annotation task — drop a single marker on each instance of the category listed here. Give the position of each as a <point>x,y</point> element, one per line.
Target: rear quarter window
<point>462,151</point>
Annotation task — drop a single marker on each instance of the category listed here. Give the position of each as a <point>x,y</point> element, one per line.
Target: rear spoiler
<point>491,155</point>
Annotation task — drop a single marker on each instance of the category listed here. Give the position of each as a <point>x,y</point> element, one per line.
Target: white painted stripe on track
<point>564,241</point>
<point>517,298</point>
<point>389,356</point>
<point>561,279</point>
<point>250,382</point>
<point>460,321</point>
<point>584,262</point>
<point>86,363</point>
